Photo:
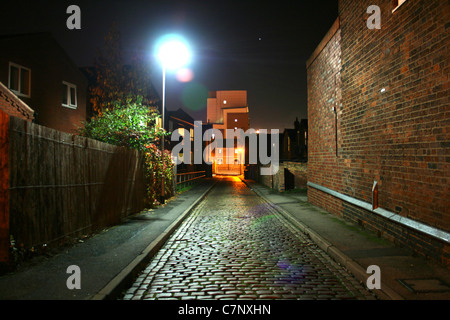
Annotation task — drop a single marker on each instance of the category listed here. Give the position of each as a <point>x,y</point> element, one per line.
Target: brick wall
<point>324,96</point>
<point>49,66</point>
<point>13,106</point>
<point>391,93</point>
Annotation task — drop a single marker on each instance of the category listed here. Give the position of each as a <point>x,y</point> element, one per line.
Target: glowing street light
<point>173,53</point>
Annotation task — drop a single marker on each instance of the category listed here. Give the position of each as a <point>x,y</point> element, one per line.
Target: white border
<point>70,106</point>
<point>18,92</point>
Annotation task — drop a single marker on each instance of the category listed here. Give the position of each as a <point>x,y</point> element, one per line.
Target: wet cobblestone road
<point>234,246</point>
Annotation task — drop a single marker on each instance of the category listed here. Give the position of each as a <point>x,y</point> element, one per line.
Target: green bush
<point>133,125</point>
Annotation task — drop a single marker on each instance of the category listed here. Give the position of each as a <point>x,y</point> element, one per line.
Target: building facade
<point>39,72</point>
<point>378,113</point>
<point>228,110</point>
<point>295,141</point>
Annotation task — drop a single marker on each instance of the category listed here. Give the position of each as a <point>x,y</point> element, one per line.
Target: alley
<point>234,246</point>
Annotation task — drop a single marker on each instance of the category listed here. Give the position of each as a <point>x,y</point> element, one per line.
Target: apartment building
<point>228,110</point>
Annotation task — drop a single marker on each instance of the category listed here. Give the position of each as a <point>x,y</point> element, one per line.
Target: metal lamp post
<point>173,53</point>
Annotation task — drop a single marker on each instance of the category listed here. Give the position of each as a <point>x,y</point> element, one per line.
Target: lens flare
<point>194,96</point>
<point>185,75</point>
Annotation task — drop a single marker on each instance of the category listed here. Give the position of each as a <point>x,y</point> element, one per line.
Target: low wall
<point>291,175</point>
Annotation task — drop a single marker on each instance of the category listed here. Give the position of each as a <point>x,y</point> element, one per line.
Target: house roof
<point>181,114</point>
<point>44,36</point>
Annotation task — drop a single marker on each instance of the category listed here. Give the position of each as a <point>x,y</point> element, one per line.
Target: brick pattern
<point>324,96</point>
<point>391,91</point>
<point>13,106</point>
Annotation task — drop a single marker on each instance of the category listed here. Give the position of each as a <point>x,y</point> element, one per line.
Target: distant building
<point>179,119</point>
<point>39,72</point>
<point>378,113</point>
<point>295,141</point>
<point>228,110</point>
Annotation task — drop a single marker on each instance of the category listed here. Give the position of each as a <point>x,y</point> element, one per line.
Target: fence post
<point>175,178</point>
<point>4,187</point>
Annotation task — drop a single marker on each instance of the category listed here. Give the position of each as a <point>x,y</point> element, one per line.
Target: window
<point>69,95</point>
<point>396,4</point>
<point>19,79</point>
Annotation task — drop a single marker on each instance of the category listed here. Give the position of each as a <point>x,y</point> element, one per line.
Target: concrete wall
<point>295,170</point>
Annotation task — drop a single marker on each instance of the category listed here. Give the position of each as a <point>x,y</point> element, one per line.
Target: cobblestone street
<point>235,246</point>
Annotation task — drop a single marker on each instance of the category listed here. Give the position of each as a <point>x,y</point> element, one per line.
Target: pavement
<point>404,275</point>
<point>110,261</point>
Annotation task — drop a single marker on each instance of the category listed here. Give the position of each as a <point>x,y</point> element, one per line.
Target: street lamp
<point>173,53</point>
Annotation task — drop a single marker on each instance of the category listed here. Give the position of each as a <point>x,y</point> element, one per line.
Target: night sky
<point>258,46</point>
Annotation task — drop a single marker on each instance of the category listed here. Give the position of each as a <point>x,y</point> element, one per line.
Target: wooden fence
<point>62,186</point>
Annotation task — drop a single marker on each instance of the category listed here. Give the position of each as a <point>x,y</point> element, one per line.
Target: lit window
<point>69,95</point>
<point>397,3</point>
<point>19,79</point>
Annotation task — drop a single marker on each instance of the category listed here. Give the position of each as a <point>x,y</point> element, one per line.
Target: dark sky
<point>258,46</point>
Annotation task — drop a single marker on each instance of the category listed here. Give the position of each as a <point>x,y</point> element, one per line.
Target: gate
<point>229,169</point>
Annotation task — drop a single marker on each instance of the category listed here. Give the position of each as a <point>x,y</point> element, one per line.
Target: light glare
<point>173,52</point>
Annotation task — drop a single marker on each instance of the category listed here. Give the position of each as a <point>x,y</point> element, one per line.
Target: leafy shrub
<point>133,125</point>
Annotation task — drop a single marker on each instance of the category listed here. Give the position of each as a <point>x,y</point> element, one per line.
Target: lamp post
<point>173,53</point>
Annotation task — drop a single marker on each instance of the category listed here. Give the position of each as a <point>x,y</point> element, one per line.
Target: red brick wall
<point>324,95</point>
<point>49,66</point>
<point>7,107</point>
<point>398,136</point>
<point>13,106</point>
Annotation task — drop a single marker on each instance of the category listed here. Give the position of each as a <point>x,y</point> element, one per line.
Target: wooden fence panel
<point>62,185</point>
<point>4,186</point>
